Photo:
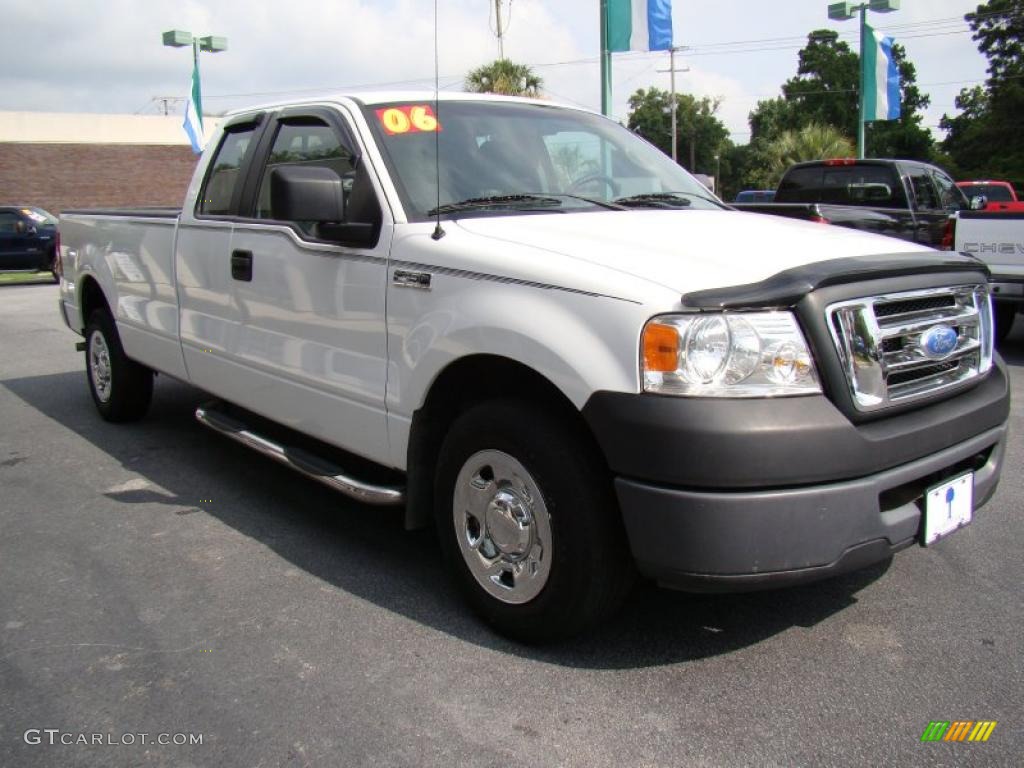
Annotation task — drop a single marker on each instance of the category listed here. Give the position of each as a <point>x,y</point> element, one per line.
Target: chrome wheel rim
<point>99,366</point>
<point>502,526</point>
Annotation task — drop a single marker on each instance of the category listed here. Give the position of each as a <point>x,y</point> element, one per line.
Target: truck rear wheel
<point>528,522</point>
<point>121,388</point>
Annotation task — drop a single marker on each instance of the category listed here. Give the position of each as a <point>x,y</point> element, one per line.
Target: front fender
<point>579,342</point>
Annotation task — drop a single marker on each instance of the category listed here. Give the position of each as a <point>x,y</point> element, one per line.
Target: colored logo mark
<point>958,730</point>
<point>939,341</point>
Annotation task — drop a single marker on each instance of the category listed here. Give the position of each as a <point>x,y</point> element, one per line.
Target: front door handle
<point>241,265</point>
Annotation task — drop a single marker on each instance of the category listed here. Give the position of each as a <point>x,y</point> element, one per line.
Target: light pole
<point>176,38</point>
<point>672,80</point>
<point>718,174</point>
<point>844,12</point>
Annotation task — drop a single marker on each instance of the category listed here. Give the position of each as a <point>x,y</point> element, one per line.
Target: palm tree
<point>814,141</point>
<point>505,77</point>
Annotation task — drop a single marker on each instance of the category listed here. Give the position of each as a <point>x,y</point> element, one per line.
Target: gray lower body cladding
<point>733,495</point>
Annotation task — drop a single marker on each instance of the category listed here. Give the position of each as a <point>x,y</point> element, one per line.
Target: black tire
<point>121,388</point>
<point>589,568</point>
<point>1004,317</point>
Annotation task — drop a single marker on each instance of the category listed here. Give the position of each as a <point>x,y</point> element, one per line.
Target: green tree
<point>826,90</point>
<point>700,135</point>
<point>985,139</point>
<point>505,77</point>
<point>812,142</point>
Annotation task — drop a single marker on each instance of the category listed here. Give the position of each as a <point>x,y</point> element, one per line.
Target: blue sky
<point>107,57</point>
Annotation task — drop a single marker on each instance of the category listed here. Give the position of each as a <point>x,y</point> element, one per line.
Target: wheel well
<point>92,298</point>
<point>460,386</point>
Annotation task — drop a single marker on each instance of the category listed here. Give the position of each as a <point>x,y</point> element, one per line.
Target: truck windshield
<point>507,157</point>
<point>993,192</point>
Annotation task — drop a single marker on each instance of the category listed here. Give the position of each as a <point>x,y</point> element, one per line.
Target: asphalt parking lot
<point>158,579</point>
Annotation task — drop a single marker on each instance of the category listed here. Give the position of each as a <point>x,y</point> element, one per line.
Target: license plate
<point>947,507</point>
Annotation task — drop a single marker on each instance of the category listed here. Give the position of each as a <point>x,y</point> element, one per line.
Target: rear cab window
<point>221,186</point>
<point>843,184</point>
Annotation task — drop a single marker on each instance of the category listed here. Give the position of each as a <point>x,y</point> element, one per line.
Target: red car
<point>1000,195</point>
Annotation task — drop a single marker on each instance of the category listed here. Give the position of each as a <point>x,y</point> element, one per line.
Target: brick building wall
<point>59,176</point>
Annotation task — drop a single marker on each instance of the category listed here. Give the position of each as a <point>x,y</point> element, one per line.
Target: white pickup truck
<point>552,343</point>
<point>997,238</point>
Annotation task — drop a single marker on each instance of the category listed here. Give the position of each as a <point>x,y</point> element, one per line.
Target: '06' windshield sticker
<point>414,118</point>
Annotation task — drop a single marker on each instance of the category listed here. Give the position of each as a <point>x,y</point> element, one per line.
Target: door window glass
<point>219,189</point>
<point>950,196</point>
<point>305,142</point>
<point>924,190</point>
<point>8,223</point>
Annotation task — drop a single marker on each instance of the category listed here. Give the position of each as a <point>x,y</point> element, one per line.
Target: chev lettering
<point>1006,249</point>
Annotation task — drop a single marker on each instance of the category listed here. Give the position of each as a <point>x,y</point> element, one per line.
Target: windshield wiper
<point>664,199</point>
<point>496,202</point>
<point>610,205</point>
<point>655,200</point>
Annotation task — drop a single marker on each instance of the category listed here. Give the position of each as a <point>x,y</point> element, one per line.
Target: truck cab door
<point>309,345</point>
<point>208,319</point>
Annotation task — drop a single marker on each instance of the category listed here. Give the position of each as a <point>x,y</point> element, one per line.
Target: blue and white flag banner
<point>639,25</point>
<point>194,115</point>
<point>880,78</point>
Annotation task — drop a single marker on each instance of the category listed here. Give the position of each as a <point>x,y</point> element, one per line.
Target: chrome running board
<point>305,463</point>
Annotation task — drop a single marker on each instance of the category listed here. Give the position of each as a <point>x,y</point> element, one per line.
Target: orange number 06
<point>410,119</point>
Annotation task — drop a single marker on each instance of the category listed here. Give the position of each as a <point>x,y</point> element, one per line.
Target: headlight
<point>756,354</point>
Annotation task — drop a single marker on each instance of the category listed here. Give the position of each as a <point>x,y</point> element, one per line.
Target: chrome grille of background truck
<point>903,347</point>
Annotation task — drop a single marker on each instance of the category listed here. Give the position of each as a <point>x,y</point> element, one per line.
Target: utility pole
<point>500,31</point>
<point>673,106</point>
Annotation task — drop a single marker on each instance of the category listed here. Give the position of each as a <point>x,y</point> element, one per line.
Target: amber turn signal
<point>661,348</point>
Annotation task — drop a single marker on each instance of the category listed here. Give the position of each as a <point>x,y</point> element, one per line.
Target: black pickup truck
<point>900,198</point>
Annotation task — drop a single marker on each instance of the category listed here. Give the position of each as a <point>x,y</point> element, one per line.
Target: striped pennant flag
<point>639,25</point>
<point>194,114</point>
<point>881,79</point>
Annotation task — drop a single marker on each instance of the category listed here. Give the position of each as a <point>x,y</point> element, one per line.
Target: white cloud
<point>107,56</point>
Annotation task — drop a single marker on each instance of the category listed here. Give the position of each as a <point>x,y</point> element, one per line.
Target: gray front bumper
<point>704,540</point>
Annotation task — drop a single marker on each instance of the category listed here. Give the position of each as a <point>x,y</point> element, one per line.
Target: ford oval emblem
<point>938,342</point>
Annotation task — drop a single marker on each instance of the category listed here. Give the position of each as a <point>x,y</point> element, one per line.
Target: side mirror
<point>978,202</point>
<point>317,194</point>
<point>306,193</point>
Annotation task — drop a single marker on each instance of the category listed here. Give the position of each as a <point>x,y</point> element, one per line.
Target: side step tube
<point>306,463</point>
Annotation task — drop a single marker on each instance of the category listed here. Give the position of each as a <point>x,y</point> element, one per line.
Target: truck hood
<point>687,250</point>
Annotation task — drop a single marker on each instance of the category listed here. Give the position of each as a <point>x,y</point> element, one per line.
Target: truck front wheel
<point>528,521</point>
<point>120,387</point>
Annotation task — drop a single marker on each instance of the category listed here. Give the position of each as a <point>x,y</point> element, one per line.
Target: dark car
<point>28,239</point>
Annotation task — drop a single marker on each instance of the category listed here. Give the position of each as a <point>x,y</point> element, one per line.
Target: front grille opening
<point>884,343</point>
<point>914,491</point>
<point>907,306</point>
<point>905,377</point>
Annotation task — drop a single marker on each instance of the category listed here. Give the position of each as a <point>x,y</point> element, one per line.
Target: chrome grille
<point>903,347</point>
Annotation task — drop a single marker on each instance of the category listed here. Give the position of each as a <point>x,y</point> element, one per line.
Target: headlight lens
<point>756,354</point>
